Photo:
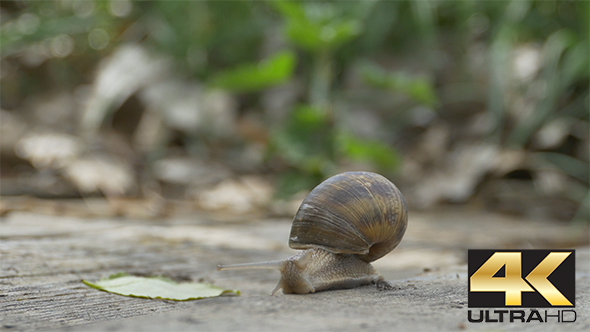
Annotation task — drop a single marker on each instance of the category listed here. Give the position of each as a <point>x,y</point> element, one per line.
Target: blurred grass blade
<point>157,288</point>
<point>554,48</point>
<point>12,39</point>
<point>576,63</point>
<point>424,13</point>
<point>499,51</point>
<point>583,213</point>
<point>275,70</point>
<point>417,88</point>
<point>574,167</point>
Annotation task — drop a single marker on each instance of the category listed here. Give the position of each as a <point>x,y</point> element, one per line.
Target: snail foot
<point>383,285</point>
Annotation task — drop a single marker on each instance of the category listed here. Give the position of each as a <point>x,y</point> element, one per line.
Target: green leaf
<point>378,153</point>
<point>272,71</point>
<point>417,88</point>
<point>157,288</point>
<point>314,37</point>
<point>317,26</point>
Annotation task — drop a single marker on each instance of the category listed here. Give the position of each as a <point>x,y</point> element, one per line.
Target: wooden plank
<point>44,258</point>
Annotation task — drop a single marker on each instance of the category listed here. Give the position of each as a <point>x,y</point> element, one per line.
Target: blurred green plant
<point>321,29</point>
<point>381,155</point>
<point>559,74</point>
<point>313,141</point>
<point>206,36</point>
<point>418,89</point>
<point>311,145</point>
<point>306,144</point>
<point>563,76</point>
<point>272,71</point>
<point>320,26</point>
<point>64,38</point>
<point>221,43</point>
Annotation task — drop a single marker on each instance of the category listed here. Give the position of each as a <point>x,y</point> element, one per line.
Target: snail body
<point>344,224</point>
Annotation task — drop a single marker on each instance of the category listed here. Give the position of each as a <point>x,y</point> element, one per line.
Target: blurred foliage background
<point>244,106</point>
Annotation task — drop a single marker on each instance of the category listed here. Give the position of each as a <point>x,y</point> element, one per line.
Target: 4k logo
<point>524,278</point>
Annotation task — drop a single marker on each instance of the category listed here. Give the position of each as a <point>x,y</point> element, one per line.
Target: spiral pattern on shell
<point>358,213</point>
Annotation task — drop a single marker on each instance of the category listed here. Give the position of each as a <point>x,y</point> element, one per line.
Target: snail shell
<point>358,213</point>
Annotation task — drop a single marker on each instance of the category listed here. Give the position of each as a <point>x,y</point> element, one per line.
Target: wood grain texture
<point>43,259</point>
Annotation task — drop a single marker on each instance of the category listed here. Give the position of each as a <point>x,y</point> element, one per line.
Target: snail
<point>344,224</point>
